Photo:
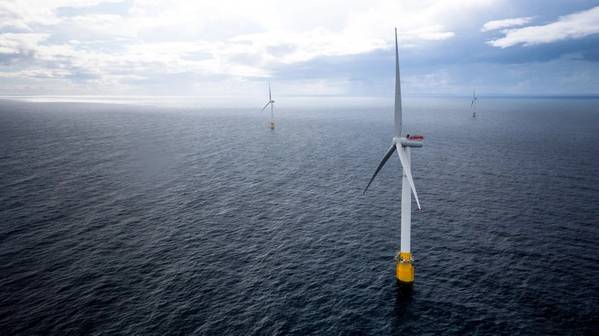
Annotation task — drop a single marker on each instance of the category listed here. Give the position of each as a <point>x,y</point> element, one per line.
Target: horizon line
<point>431,95</point>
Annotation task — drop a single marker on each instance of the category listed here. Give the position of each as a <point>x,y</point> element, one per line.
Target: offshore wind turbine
<point>474,101</point>
<point>272,108</point>
<point>402,143</point>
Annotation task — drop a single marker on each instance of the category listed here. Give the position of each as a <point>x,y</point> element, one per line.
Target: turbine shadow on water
<point>404,296</point>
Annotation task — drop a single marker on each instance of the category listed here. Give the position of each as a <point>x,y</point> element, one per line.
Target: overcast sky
<point>305,48</point>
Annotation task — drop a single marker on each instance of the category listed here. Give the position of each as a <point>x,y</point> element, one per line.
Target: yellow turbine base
<point>272,125</point>
<point>404,269</point>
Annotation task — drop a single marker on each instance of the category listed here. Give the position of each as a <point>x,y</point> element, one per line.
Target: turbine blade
<point>265,106</point>
<point>405,164</point>
<point>397,108</point>
<point>385,158</point>
<point>269,94</point>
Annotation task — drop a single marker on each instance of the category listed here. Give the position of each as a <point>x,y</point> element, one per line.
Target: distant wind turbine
<point>404,269</point>
<point>272,108</point>
<point>474,101</point>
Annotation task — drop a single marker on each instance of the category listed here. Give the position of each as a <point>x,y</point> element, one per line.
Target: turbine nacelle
<point>409,141</point>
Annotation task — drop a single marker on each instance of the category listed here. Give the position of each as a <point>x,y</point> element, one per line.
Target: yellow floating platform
<point>404,269</point>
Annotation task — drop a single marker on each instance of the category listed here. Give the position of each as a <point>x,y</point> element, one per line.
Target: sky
<point>337,48</point>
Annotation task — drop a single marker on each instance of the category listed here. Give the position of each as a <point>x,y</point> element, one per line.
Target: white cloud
<point>20,43</point>
<point>234,39</point>
<point>571,26</point>
<point>505,23</point>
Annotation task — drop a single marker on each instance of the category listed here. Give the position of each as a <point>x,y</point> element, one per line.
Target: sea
<point>137,219</point>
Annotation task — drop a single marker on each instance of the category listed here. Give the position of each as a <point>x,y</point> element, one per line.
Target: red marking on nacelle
<point>416,137</point>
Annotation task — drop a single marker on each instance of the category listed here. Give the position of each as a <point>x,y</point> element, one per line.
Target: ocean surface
<point>141,220</point>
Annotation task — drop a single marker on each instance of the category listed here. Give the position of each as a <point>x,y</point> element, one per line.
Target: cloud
<point>505,23</point>
<point>123,44</point>
<point>337,47</point>
<point>571,26</point>
<point>20,44</point>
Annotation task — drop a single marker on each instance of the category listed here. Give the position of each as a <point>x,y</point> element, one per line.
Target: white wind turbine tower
<point>272,108</point>
<point>404,269</point>
<point>474,101</point>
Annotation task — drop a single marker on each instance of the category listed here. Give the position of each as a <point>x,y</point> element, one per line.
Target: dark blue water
<point>154,221</point>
